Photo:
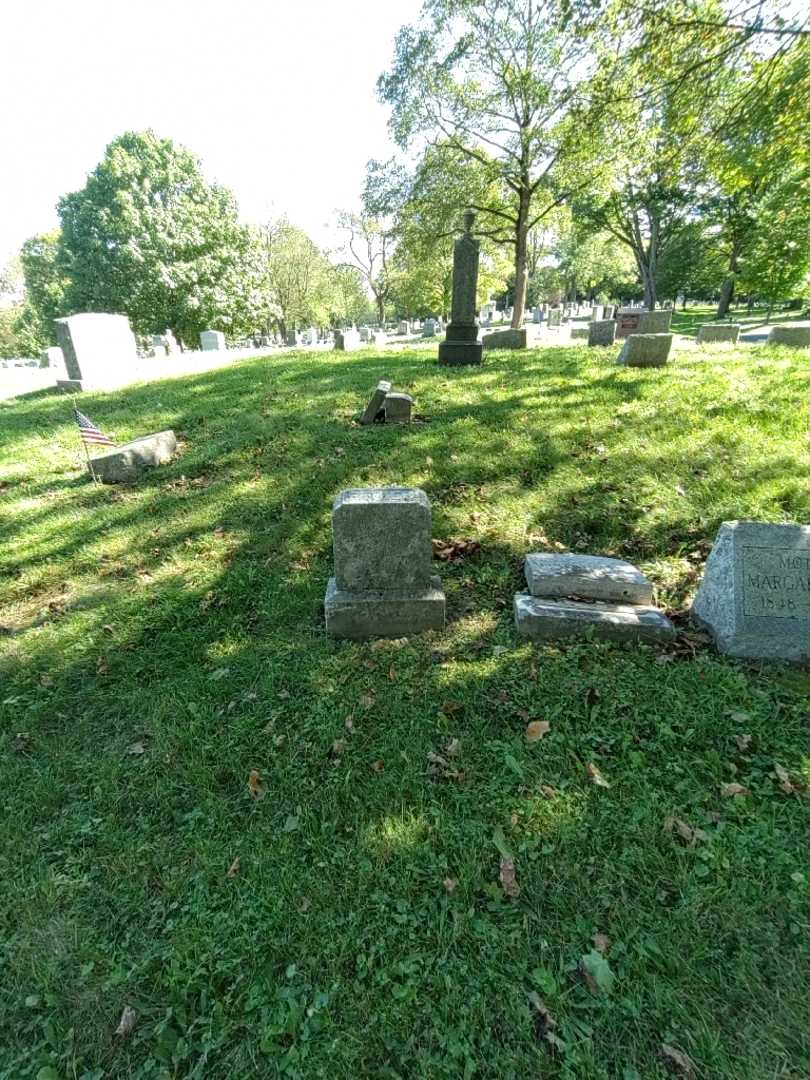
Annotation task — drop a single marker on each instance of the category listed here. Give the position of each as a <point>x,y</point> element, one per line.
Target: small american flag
<point>88,430</point>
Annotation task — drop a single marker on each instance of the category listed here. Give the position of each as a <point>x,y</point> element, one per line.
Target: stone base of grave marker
<point>368,614</point>
<point>718,332</point>
<point>456,353</point>
<point>124,464</point>
<point>754,598</point>
<point>579,332</point>
<point>645,350</point>
<point>581,596</point>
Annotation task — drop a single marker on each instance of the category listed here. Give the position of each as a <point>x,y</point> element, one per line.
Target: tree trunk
<point>727,288</point>
<point>380,309</point>
<point>521,259</point>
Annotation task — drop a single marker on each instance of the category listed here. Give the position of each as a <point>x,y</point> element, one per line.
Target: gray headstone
<point>461,345</point>
<point>99,350</point>
<point>211,340</point>
<point>602,332</point>
<point>429,329</point>
<point>718,332</point>
<point>403,328</point>
<point>398,408</point>
<point>646,350</point>
<point>590,576</point>
<point>655,322</point>
<point>375,402</point>
<point>383,584</point>
<point>347,340</point>
<point>506,339</point>
<point>579,332</point>
<point>796,336</point>
<point>555,317</point>
<point>124,464</point>
<point>754,598</point>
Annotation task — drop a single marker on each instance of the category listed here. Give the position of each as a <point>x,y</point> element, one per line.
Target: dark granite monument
<point>461,345</point>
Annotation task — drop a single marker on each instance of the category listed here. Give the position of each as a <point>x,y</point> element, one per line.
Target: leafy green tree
<point>45,285</point>
<point>148,237</point>
<point>501,84</point>
<point>368,247</point>
<point>295,277</point>
<point>691,265</point>
<point>349,299</point>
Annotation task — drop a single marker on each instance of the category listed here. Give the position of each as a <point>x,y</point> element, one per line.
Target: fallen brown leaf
<point>234,868</point>
<point>548,791</point>
<point>450,708</point>
<point>677,1062</point>
<point>544,1023</point>
<point>536,730</point>
<point>787,783</point>
<point>596,776</point>
<point>729,791</point>
<point>102,667</point>
<point>366,701</point>
<point>136,748</point>
<point>601,942</point>
<point>450,883</point>
<point>126,1023</point>
<point>255,786</point>
<point>378,765</point>
<point>684,831</point>
<point>507,876</point>
<point>743,743</point>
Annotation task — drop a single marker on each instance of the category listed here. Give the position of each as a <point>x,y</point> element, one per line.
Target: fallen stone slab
<point>592,577</point>
<point>358,615</point>
<point>711,332</point>
<point>124,464</point>
<point>551,620</point>
<point>798,337</point>
<point>754,598</point>
<point>645,350</point>
<point>505,339</point>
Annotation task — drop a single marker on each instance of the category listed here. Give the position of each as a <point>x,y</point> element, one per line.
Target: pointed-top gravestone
<point>461,344</point>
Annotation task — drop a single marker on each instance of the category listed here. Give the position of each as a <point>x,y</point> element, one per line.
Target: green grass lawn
<point>160,642</point>
<point>688,322</point>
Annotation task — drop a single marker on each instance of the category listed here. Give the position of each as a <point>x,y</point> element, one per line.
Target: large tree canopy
<point>147,236</point>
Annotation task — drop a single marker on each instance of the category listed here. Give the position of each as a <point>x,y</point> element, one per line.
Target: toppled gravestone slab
<point>754,598</point>
<point>544,619</point>
<point>124,464</point>
<point>711,332</point>
<point>375,404</point>
<point>645,350</point>
<point>505,339</point>
<point>592,576</point>
<point>383,585</point>
<point>796,336</point>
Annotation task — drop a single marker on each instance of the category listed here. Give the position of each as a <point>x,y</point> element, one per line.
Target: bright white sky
<point>276,97</point>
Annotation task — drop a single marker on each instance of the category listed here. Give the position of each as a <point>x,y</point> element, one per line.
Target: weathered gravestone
<point>602,332</point>
<point>718,332</point>
<point>505,339</point>
<point>461,344</point>
<point>383,585</point>
<point>124,464</point>
<point>212,340</point>
<point>754,598</point>
<point>429,329</point>
<point>403,328</point>
<point>99,351</point>
<point>398,408</point>
<point>796,336</point>
<point>627,322</point>
<point>555,317</point>
<point>374,407</point>
<point>581,596</point>
<point>645,350</point>
<point>578,332</point>
<point>347,340</point>
<point>655,322</point>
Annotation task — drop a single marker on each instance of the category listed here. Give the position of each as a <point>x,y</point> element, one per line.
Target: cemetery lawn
<point>158,643</point>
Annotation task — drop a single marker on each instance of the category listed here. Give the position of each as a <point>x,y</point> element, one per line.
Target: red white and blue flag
<point>88,430</point>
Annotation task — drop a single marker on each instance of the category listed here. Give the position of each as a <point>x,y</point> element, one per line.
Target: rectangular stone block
<point>382,539</point>
<point>369,614</point>
<point>655,322</point>
<point>602,332</point>
<point>124,464</point>
<point>645,350</point>
<point>505,339</point>
<point>555,317</point>
<point>397,408</point>
<point>590,576</point>
<point>212,340</point>
<point>99,350</point>
<point>555,620</point>
<point>754,598</point>
<point>375,402</point>
<point>347,341</point>
<point>579,333</point>
<point>458,353</point>
<point>719,332</point>
<point>796,336</point>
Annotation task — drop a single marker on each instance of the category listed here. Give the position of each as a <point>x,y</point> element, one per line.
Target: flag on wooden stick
<point>88,430</point>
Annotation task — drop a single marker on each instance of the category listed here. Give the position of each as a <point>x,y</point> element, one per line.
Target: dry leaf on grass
<point>684,831</point>
<point>743,743</point>
<point>338,746</point>
<point>136,749</point>
<point>596,776</point>
<point>234,868</point>
<point>677,1062</point>
<point>126,1023</point>
<point>378,765</point>
<point>536,730</point>
<point>255,786</point>
<point>450,884</point>
<point>453,550</point>
<point>787,783</point>
<point>729,791</point>
<point>544,1023</point>
<point>507,875</point>
<point>366,701</point>
<point>601,942</point>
